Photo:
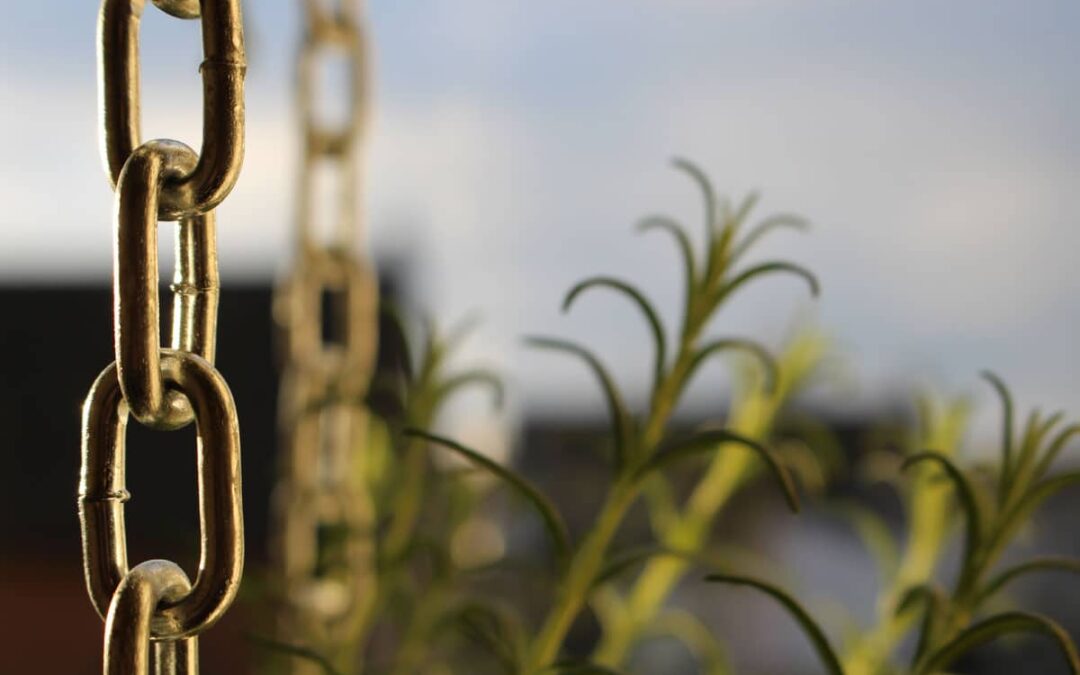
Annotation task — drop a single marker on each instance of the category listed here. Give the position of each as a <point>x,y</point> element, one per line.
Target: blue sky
<point>934,146</point>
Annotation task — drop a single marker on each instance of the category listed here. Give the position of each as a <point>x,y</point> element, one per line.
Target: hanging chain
<point>129,623</point>
<point>164,388</point>
<point>326,310</point>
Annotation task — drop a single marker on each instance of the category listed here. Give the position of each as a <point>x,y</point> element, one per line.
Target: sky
<point>933,146</point>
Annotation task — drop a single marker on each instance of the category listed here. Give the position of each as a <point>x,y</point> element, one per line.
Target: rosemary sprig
<point>638,446</point>
<point>953,621</point>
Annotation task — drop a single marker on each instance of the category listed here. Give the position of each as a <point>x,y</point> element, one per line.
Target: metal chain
<point>323,553</point>
<point>200,189</point>
<point>164,388</point>
<point>129,624</point>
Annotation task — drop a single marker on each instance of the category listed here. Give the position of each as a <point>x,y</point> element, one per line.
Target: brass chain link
<point>164,388</point>
<point>130,622</point>
<point>102,490</point>
<point>323,553</point>
<point>200,189</point>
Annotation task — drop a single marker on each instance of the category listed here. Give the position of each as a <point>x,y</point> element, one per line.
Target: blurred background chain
<point>326,310</point>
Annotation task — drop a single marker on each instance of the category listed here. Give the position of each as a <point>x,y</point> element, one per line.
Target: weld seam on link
<point>135,286</point>
<point>206,184</point>
<point>102,520</point>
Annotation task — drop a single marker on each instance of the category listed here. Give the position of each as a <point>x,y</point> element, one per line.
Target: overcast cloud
<point>934,146</point>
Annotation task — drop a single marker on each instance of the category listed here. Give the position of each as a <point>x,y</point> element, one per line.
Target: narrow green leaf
<point>432,354</point>
<point>391,313</point>
<point>1046,489</point>
<point>817,439</point>
<point>817,637</point>
<point>1029,440</point>
<point>1035,432</point>
<point>1006,432</point>
<point>712,440</point>
<point>1044,564</point>
<point>804,464</point>
<point>493,631</point>
<point>685,247</point>
<point>707,192</point>
<point>1055,448</point>
<point>1026,505</point>
<point>620,417</point>
<point>763,269</point>
<point>553,522</point>
<point>438,346</point>
<point>646,307</point>
<point>995,627</point>
<point>742,213</point>
<point>1050,422</point>
<point>780,221</point>
<point>965,494</point>
<point>461,330</point>
<point>692,632</point>
<point>876,537</point>
<point>286,649</point>
<point>754,349</point>
<point>624,561</point>
<point>934,601</point>
<point>930,594</point>
<point>469,378</point>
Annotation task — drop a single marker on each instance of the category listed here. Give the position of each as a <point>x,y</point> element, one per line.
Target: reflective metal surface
<point>131,616</point>
<point>102,492</point>
<point>161,387</point>
<point>210,181</point>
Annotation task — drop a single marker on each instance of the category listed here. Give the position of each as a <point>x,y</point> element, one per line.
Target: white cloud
<point>943,230</point>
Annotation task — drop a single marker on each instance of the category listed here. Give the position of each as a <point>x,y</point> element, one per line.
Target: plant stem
<point>415,643</point>
<point>408,502</point>
<point>584,568</point>
<point>703,296</point>
<point>661,575</point>
<point>929,502</point>
<point>729,470</point>
<point>589,559</point>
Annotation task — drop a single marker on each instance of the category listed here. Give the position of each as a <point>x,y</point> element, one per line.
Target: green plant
<point>642,448</point>
<point>754,412</point>
<point>993,506</point>
<point>424,508</point>
<point>433,612</point>
<point>927,500</point>
<point>413,538</point>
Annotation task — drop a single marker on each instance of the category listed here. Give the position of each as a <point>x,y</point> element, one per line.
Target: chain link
<point>323,552</point>
<point>164,388</point>
<point>348,283</point>
<point>329,33</point>
<point>205,185</point>
<point>102,490</point>
<point>131,618</point>
<point>135,267</point>
<point>181,9</point>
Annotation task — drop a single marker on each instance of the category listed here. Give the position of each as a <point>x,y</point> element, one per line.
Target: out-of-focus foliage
<point>990,508</point>
<point>439,546</point>
<point>427,603</point>
<point>642,447</point>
